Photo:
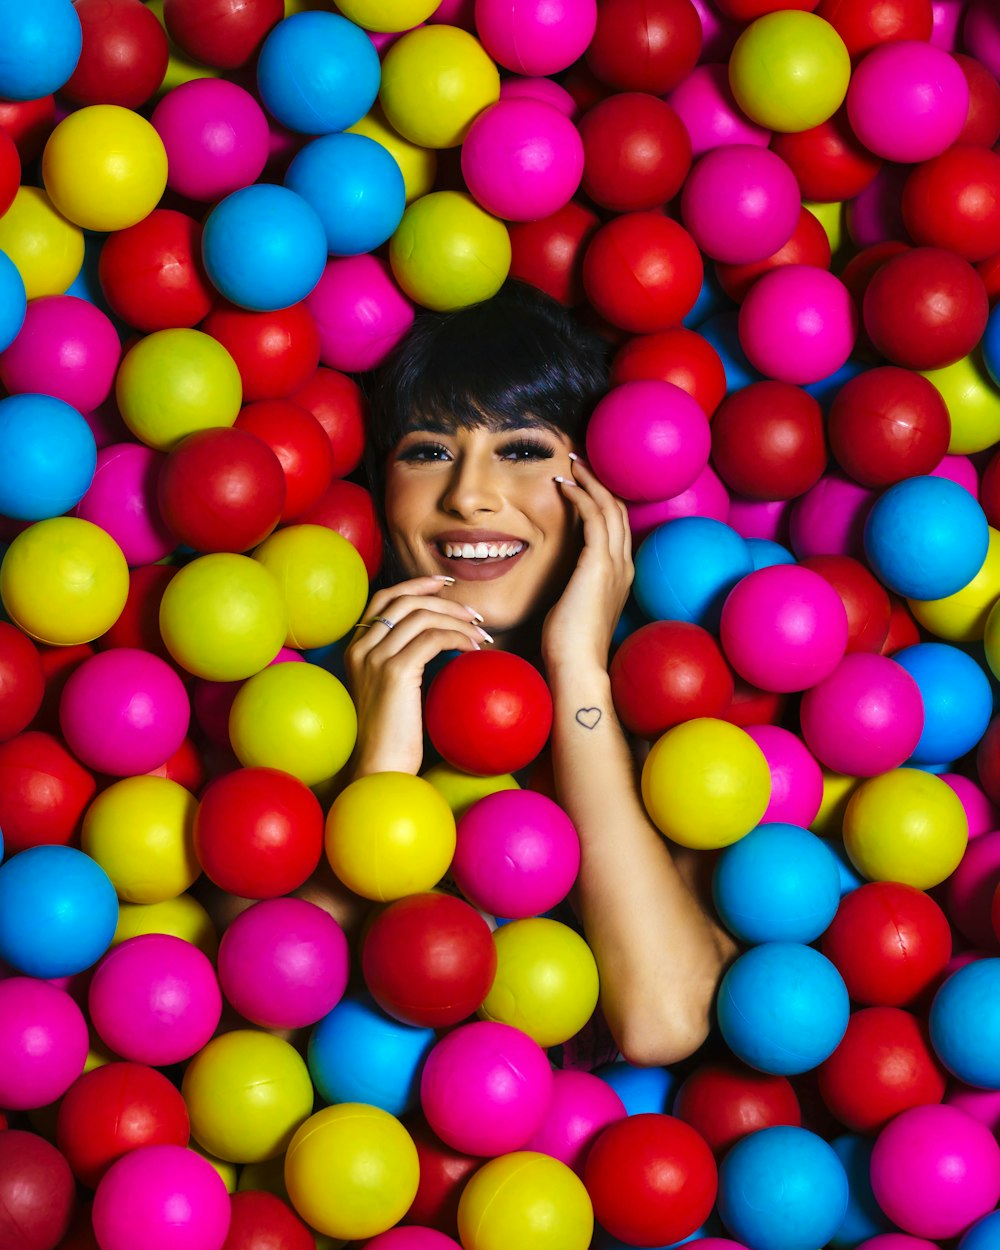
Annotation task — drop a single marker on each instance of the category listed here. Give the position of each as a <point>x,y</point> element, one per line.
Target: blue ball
<point>864,1217</point>
<point>782,1188</point>
<point>926,537</point>
<point>825,390</point>
<point>783,1008</point>
<point>355,186</point>
<point>850,878</point>
<point>711,299</point>
<point>990,345</point>
<point>58,911</point>
<point>685,568</point>
<point>264,247</point>
<point>318,73</point>
<point>958,700</point>
<point>965,1023</point>
<point>358,1054</point>
<point>40,44</point>
<point>47,457</point>
<point>722,331</point>
<point>778,884</point>
<point>640,1089</point>
<point>765,554</point>
<point>13,301</point>
<point>983,1235</point>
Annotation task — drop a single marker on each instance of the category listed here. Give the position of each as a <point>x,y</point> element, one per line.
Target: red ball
<point>747,10</point>
<point>44,792</point>
<point>865,599</point>
<point>953,201</point>
<point>751,706</point>
<point>276,352</point>
<point>185,766</point>
<point>767,441</point>
<point>652,1179</point>
<point>221,33</point>
<point>636,150</point>
<point>643,272</point>
<point>336,401</point>
<point>29,123</point>
<point>124,54</point>
<point>889,942</point>
<point>261,1221</point>
<point>139,623</point>
<point>828,160</point>
<point>22,681</point>
<point>925,308</point>
<point>982,126</point>
<point>10,171</point>
<point>678,355</point>
<point>221,490</point>
<point>987,761</point>
<point>36,1192</point>
<point>884,1065</point>
<point>58,664</point>
<point>903,629</point>
<point>488,712</point>
<point>443,1173</point>
<point>302,448</point>
<point>726,1101</point>
<point>645,45</point>
<point>667,672</point>
<point>116,1108</point>
<point>864,265</point>
<point>864,25</point>
<point>808,245</point>
<point>258,832</point>
<point>549,252</point>
<point>888,424</point>
<point>151,273</point>
<point>429,960</point>
<point>989,271</point>
<point>989,490</point>
<point>350,510</point>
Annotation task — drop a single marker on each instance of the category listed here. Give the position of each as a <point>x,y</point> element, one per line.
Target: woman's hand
<point>385,668</point>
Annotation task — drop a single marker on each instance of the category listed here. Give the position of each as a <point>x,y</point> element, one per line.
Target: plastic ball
<point>300,443</point>
<point>982,125</point>
<point>349,510</point>
<point>548,253</point>
<point>828,162</point>
<point>151,274</point>
<point>220,33</point>
<point>686,567</point>
<point>964,1024</point>
<point>417,164</point>
<point>46,249</point>
<point>798,324</point>
<point>725,1102</point>
<point>14,299</point>
<point>796,777</point>
<point>636,150</point>
<point>678,355</point>
<point>48,453</point>
<point>957,699</point>
<point>972,887</point>
<point>639,46</point>
<point>536,38</point>
<point>260,1220</point>
<point>581,1106</point>
<point>22,681</point>
<point>37,1193</point>
<point>41,48</point>
<point>124,54</point>
<point>829,519</point>
<point>528,1199</point>
<point>181,917</point>
<point>953,201</point>
<point>359,311</point>
<point>768,441</point>
<point>43,1041</point>
<point>978,1236</point>
<point>44,794</point>
<point>740,203</point>
<point>378,15</point>
<point>705,105</point>
<point>121,500</point>
<point>640,1089</point>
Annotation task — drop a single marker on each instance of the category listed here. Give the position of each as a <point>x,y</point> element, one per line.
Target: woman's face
<point>481,505</point>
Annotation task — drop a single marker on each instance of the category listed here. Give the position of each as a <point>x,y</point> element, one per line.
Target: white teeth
<point>481,551</point>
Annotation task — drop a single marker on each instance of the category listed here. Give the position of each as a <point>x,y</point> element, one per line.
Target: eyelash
<point>519,450</point>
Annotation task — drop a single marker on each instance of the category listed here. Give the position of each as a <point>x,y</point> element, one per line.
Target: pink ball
<point>522,159</point>
<point>970,888</point>
<point>896,1241</point>
<point>784,628</point>
<point>934,1170</point>
<point>582,1105</point>
<point>543,89</point>
<point>865,718</point>
<point>718,33</point>
<point>43,1043</point>
<point>412,1237</point>
<point>648,440</point>
<point>454,13</point>
<point>711,116</point>
<point>798,324</point>
<point>981,33</point>
<point>961,470</point>
<point>283,963</point>
<point>760,518</point>
<point>173,1195</point>
<point>122,501</point>
<point>875,215</point>
<point>796,778</point>
<point>539,37</point>
<point>155,999</point>
<point>907,101</point>
<point>360,312</point>
<point>982,1104</point>
<point>741,203</point>
<point>981,812</point>
<point>216,137</point>
<point>106,424</point>
<point>829,519</point>
<point>517,854</point>
<point>947,16</point>
<point>706,496</point>
<point>124,712</point>
<point>66,347</point>
<point>485,1088</point>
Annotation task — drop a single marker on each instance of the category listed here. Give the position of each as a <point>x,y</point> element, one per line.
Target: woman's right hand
<point>385,669</point>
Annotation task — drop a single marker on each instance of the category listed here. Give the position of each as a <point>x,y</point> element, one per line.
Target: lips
<point>477,555</point>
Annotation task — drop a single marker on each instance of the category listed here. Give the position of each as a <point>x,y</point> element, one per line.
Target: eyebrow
<point>495,424</point>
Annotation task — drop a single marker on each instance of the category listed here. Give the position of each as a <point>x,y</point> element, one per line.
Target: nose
<point>472,486</point>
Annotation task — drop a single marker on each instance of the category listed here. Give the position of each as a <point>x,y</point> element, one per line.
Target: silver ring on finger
<point>382,620</point>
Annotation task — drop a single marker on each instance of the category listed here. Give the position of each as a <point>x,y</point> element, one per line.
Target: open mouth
<point>478,561</point>
<point>480,551</point>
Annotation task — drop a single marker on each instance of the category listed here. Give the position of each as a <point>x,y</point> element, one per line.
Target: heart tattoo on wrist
<point>588,717</point>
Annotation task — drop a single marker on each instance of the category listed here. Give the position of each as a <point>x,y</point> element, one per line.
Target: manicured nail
<point>444,577</point>
<point>473,613</point>
<point>573,456</point>
<point>487,636</point>
<point>476,647</point>
<point>563,481</point>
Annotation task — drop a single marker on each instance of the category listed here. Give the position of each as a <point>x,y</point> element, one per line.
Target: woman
<point>499,535</point>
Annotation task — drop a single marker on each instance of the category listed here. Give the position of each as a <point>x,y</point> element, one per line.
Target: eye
<point>423,452</point>
<point>525,449</point>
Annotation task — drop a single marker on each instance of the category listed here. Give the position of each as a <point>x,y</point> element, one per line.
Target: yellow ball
<point>352,1171</point>
<point>905,825</point>
<point>837,790</point>
<point>546,981</point>
<point>247,1093</point>
<point>182,917</point>
<point>64,581</point>
<point>296,717</point>
<point>174,382</point>
<point>460,790</point>
<point>447,252</point>
<point>831,217</point>
<point>973,403</point>
<point>525,1200</point>
<point>180,67</point>
<point>435,81</point>
<point>388,16</point>
<point>141,831</point>
<point>46,248</point>
<point>104,167</point>
<point>705,783</point>
<point>961,617</point>
<point>229,1173</point>
<point>417,165</point>
<point>789,70</point>
<point>322,579</point>
<point>389,835</point>
<point>268,1175</point>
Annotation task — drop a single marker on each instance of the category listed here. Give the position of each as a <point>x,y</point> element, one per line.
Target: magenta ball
<point>412,1237</point>
<point>66,347</point>
<point>360,312</point>
<point>981,33</point>
<point>829,519</point>
<point>960,470</point>
<point>124,712</point>
<point>516,855</point>
<point>760,518</point>
<point>216,138</point>
<point>982,1104</point>
<point>741,203</point>
<point>539,37</point>
<point>582,1105</point>
<point>796,777</point>
<point>43,1043</point>
<point>875,215</point>
<point>544,89</point>
<point>969,892</point>
<point>122,501</point>
<point>283,963</point>
<point>718,33</point>
<point>865,718</point>
<point>981,812</point>
<point>798,324</point>
<point>896,1241</point>
<point>934,1170</point>
<point>706,496</point>
<point>907,101</point>
<point>485,1088</point>
<point>648,440</point>
<point>171,1193</point>
<point>784,628</point>
<point>711,116</point>
<point>155,999</point>
<point>522,159</point>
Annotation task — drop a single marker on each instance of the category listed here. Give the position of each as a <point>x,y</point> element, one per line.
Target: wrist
<point>573,678</point>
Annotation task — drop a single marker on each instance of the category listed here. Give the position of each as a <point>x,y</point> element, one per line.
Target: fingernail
<point>476,647</point>
<point>573,456</point>
<point>473,613</point>
<point>444,577</point>
<point>487,636</point>
<point>563,481</point>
